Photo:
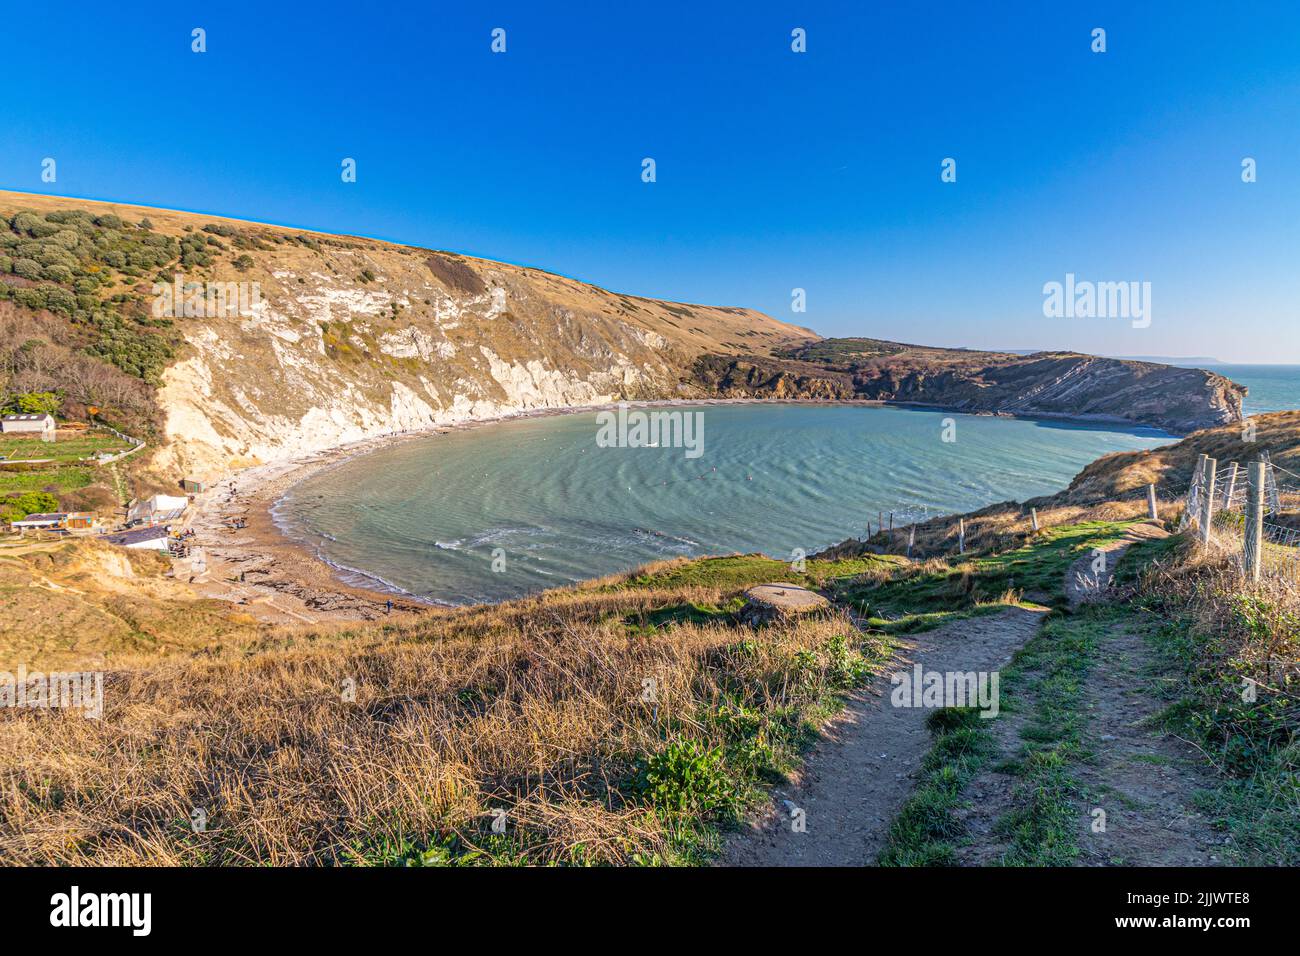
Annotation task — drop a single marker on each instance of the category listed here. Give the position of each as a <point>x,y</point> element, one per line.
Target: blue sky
<point>775,170</point>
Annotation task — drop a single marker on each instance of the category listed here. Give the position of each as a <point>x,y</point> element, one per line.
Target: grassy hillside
<point>633,720</point>
<point>615,723</point>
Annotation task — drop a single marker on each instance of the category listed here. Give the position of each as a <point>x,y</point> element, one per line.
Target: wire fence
<point>1222,506</point>
<point>1259,500</point>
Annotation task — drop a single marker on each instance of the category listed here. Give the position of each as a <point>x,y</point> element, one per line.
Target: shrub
<point>27,268</point>
<point>58,272</point>
<point>685,776</point>
<point>36,403</point>
<point>29,503</point>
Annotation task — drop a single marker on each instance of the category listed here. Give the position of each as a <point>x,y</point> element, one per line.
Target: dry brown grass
<point>534,706</point>
<point>1244,629</point>
<point>84,603</point>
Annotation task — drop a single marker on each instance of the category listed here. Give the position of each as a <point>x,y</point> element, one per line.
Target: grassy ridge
<point>628,721</point>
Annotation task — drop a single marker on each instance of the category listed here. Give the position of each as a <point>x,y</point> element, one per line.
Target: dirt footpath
<point>858,777</point>
<point>1144,779</point>
<point>1089,578</point>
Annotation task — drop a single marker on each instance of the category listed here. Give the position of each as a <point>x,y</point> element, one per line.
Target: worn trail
<point>858,777</point>
<point>1142,779</point>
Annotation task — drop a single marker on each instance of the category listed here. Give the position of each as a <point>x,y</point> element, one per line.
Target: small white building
<point>48,521</point>
<point>156,510</point>
<point>43,425</point>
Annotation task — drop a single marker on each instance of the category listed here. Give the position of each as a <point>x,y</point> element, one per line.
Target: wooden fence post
<point>1229,487</point>
<point>1033,518</point>
<point>1151,502</point>
<point>961,535</point>
<point>911,539</point>
<point>1191,505</point>
<point>1253,550</point>
<point>1272,503</point>
<point>1207,498</point>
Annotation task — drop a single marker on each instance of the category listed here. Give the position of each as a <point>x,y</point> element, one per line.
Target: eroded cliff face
<point>366,338</point>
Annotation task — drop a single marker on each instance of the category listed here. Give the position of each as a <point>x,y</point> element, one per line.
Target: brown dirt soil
<point>856,780</point>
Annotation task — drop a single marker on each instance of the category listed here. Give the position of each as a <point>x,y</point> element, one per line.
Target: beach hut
<point>192,485</point>
<point>80,521</point>
<point>43,425</point>
<point>156,510</point>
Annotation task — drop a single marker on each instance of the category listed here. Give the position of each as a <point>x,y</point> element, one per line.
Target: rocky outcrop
<point>1057,384</point>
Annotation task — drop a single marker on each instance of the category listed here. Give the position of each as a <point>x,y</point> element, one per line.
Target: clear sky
<point>775,169</point>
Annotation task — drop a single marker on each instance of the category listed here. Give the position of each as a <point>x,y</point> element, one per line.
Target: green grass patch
<point>84,445</point>
<point>649,622</point>
<point>926,827</point>
<point>1047,678</point>
<point>1141,554</point>
<point>741,571</point>
<point>1254,743</point>
<point>57,479</point>
<point>1036,570</point>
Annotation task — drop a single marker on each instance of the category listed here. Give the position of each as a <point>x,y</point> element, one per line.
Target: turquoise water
<point>1272,388</point>
<point>428,516</point>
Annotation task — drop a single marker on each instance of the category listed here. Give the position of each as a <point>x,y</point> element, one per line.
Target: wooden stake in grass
<point>1151,502</point>
<point>961,535</point>
<point>1033,518</point>
<point>911,539</point>
<point>1207,498</point>
<point>1254,545</point>
<point>1229,487</point>
<point>1191,507</point>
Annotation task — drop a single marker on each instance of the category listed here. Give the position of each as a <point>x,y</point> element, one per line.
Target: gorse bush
<point>89,270</point>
